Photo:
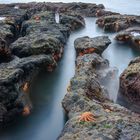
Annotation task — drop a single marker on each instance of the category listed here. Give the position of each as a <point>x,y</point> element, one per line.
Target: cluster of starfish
<point>87,117</point>
<point>87,51</point>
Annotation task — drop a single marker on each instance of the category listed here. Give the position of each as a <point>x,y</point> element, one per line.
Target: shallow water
<point>47,119</point>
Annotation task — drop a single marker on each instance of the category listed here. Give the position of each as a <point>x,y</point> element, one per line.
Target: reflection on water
<point>47,118</point>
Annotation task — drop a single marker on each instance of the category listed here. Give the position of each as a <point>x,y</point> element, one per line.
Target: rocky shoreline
<point>87,94</point>
<point>31,41</point>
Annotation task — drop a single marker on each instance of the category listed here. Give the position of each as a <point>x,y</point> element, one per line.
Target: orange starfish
<point>26,87</point>
<point>87,117</point>
<point>50,68</point>
<point>26,111</point>
<point>37,18</point>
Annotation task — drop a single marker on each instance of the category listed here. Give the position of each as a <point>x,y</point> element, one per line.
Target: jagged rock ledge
<point>118,22</point>
<point>86,94</point>
<point>14,77</point>
<point>30,41</point>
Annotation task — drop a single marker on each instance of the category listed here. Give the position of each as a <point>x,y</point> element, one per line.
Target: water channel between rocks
<point>47,119</point>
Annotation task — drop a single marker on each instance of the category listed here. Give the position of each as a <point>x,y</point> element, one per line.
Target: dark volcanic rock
<point>84,9</point>
<point>130,85</point>
<point>74,21</point>
<point>102,12</point>
<point>42,35</point>
<point>35,44</point>
<point>86,45</point>
<point>38,22</point>
<point>115,23</point>
<point>13,75</point>
<point>5,52</point>
<point>130,35</point>
<point>14,17</point>
<point>6,32</point>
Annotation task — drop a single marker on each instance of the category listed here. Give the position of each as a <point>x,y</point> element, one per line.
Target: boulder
<point>85,45</point>
<point>84,9</point>
<point>74,21</point>
<point>36,44</point>
<point>41,35</point>
<point>115,23</point>
<point>130,35</point>
<point>5,52</point>
<point>102,12</point>
<point>129,85</point>
<point>13,76</point>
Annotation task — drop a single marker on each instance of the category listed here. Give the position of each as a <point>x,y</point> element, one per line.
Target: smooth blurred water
<point>47,119</point>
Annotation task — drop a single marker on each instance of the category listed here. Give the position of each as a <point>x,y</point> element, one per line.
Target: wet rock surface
<point>129,85</point>
<point>84,9</point>
<point>5,52</point>
<point>130,35</point>
<point>30,41</point>
<point>102,12</point>
<point>74,21</point>
<point>86,45</point>
<point>13,75</point>
<point>86,94</point>
<point>115,23</point>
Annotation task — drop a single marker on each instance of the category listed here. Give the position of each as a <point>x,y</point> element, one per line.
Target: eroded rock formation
<point>30,40</point>
<point>88,45</point>
<point>92,115</point>
<point>130,35</point>
<point>115,23</point>
<point>130,85</point>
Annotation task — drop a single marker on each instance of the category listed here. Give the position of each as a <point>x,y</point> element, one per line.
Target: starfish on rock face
<point>26,111</point>
<point>26,87</point>
<point>87,117</point>
<point>37,18</point>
